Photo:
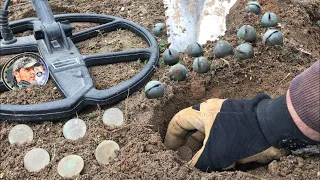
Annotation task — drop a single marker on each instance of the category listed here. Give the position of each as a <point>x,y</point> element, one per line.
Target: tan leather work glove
<point>236,131</point>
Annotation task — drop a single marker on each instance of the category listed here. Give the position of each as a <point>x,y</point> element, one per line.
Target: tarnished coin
<point>20,134</point>
<point>70,166</point>
<point>36,159</point>
<point>106,151</point>
<point>185,153</point>
<point>74,129</point>
<point>113,117</point>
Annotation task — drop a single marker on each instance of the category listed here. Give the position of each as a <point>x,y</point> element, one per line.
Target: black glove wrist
<point>244,128</point>
<point>278,126</point>
<point>235,134</point>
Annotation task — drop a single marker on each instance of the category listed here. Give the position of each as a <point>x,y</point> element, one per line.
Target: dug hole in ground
<point>142,152</point>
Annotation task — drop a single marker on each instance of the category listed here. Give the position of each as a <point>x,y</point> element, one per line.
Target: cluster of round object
<point>269,19</point>
<point>177,72</point>
<point>38,158</point>
<point>247,34</point>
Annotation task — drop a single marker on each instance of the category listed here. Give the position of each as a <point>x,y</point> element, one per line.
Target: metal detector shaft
<point>49,25</point>
<point>44,11</point>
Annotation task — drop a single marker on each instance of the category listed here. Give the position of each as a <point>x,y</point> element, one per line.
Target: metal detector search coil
<point>54,40</point>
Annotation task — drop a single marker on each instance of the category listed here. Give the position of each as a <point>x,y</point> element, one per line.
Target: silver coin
<point>20,134</point>
<point>113,117</point>
<point>74,129</point>
<point>70,166</point>
<point>36,159</point>
<point>106,151</point>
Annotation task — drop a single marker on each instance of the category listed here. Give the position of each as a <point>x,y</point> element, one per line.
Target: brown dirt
<point>143,154</point>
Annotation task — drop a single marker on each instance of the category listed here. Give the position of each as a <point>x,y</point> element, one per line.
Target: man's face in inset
<point>25,74</point>
<point>24,70</point>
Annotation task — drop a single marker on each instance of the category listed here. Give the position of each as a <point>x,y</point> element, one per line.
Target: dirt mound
<point>143,154</point>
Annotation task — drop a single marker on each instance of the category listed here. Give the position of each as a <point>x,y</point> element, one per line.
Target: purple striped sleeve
<point>305,96</point>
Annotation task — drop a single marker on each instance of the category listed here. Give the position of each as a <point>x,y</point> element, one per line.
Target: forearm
<point>303,100</point>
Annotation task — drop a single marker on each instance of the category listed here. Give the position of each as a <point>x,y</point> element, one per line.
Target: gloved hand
<point>236,131</point>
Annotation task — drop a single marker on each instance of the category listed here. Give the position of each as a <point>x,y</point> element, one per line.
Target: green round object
<point>20,134</point>
<point>159,29</point>
<point>194,50</point>
<point>201,65</point>
<point>269,19</point>
<point>273,37</point>
<point>222,49</point>
<point>171,57</point>
<point>178,72</point>
<point>247,33</point>
<point>70,166</point>
<point>244,51</point>
<point>154,90</point>
<point>253,7</point>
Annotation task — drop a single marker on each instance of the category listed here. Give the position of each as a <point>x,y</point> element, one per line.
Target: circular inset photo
<point>25,70</point>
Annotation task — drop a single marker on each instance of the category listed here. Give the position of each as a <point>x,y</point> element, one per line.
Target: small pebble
<point>113,117</point>
<point>106,151</point>
<point>20,134</point>
<point>74,129</point>
<point>36,159</point>
<point>70,166</point>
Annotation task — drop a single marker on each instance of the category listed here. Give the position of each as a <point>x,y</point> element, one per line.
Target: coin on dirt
<point>106,151</point>
<point>74,129</point>
<point>36,159</point>
<point>70,166</point>
<point>185,153</point>
<point>20,134</point>
<point>113,117</point>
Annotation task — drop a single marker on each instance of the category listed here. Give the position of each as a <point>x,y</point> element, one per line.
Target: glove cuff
<point>278,126</point>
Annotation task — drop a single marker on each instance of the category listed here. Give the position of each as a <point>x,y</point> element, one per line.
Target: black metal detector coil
<point>53,39</point>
